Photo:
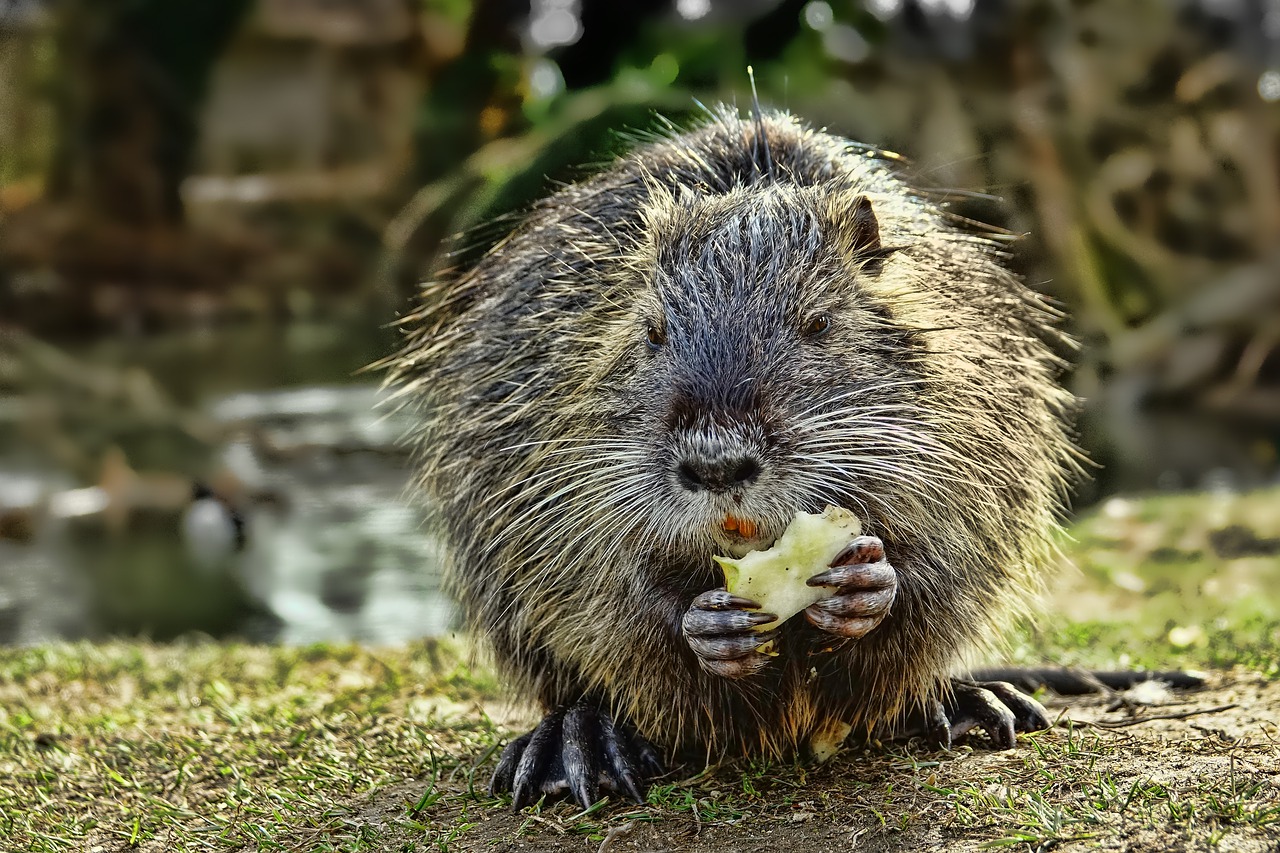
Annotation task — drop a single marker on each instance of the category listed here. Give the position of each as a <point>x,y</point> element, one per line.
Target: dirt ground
<point>1193,772</point>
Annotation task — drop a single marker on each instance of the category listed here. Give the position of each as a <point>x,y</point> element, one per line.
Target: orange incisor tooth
<point>747,528</point>
<point>730,523</point>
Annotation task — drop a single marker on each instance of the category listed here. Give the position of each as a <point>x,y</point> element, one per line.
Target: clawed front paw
<point>866,586</point>
<point>718,627</point>
<point>576,752</point>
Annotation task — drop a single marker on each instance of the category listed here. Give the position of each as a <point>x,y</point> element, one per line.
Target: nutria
<point>670,360</point>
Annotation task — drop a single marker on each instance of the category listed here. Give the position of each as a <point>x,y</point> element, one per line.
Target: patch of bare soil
<point>1192,772</point>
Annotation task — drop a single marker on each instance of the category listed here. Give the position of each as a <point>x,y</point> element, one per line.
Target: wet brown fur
<point>931,409</point>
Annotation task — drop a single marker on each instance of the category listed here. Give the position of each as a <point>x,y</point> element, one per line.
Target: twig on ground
<point>614,832</point>
<point>1180,716</point>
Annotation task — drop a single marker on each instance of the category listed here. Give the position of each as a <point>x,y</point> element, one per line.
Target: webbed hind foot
<point>576,752</point>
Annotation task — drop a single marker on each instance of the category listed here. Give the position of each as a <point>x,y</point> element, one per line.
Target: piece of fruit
<point>776,577</point>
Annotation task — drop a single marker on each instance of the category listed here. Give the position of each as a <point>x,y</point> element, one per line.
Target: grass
<point>205,746</point>
<point>1069,790</point>
<point>1182,581</point>
<point>210,747</point>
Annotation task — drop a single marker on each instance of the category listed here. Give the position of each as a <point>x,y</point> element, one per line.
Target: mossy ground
<point>204,746</point>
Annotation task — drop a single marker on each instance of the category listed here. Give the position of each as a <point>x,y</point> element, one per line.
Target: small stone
<point>1129,582</point>
<point>1182,637</point>
<point>1152,692</point>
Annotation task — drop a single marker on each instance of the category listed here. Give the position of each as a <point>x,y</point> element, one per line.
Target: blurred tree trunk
<point>133,74</point>
<point>474,98</point>
<point>470,101</point>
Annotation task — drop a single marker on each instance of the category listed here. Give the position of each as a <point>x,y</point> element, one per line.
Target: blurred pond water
<point>332,548</point>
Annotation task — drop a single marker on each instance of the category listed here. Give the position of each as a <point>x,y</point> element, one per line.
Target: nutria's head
<point>764,378</point>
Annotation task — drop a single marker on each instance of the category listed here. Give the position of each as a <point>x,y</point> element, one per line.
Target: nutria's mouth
<point>739,536</point>
<point>744,527</point>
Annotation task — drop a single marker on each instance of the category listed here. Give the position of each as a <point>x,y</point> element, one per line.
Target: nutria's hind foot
<point>576,752</point>
<point>997,708</point>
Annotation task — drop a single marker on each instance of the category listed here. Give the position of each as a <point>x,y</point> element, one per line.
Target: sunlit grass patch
<point>211,746</point>
<point>1174,581</point>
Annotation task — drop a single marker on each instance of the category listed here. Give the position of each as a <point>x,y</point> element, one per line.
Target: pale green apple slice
<point>776,577</point>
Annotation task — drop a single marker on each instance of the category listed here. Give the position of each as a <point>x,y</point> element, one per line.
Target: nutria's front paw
<point>718,627</point>
<point>865,588</point>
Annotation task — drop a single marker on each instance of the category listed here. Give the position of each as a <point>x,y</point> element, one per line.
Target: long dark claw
<point>841,626</point>
<point>617,748</point>
<point>864,549</point>
<point>735,669</point>
<point>709,623</point>
<point>543,748</point>
<point>578,752</point>
<point>731,647</point>
<point>970,706</point>
<point>721,599</point>
<point>872,604</point>
<point>504,775</point>
<point>862,576</point>
<point>1028,714</point>
<point>650,762</point>
<point>936,725</point>
<point>581,761</point>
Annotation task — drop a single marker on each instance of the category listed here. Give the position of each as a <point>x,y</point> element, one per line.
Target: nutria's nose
<point>718,473</point>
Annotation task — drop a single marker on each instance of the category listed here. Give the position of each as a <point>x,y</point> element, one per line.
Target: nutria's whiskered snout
<point>714,422</point>
<point>718,466</point>
<point>717,473</point>
<point>717,459</point>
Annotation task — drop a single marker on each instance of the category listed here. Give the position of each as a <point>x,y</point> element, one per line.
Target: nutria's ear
<point>858,231</point>
<point>864,227</point>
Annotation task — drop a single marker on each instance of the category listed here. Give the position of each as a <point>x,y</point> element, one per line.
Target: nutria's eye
<point>655,338</point>
<point>817,325</point>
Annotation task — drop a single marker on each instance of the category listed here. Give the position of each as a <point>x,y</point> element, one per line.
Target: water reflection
<point>333,549</point>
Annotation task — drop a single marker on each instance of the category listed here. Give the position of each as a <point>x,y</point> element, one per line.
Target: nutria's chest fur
<point>703,340</point>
